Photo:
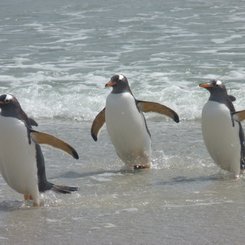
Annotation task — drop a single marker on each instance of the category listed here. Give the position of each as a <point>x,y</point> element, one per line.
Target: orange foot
<point>28,197</point>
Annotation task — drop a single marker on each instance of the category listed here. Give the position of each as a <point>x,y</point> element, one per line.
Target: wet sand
<point>183,199</point>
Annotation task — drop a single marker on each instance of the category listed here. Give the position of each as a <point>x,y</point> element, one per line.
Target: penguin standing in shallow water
<point>21,160</point>
<point>222,133</point>
<point>126,123</point>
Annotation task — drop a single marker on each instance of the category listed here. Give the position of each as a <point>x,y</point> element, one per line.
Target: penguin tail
<point>56,188</point>
<point>64,189</point>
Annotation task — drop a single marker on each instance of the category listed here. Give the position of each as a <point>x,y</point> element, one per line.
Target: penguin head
<point>218,93</point>
<point>7,100</point>
<point>119,84</point>
<point>214,87</point>
<point>9,105</point>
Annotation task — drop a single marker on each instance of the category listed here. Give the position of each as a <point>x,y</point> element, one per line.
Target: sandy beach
<point>183,199</point>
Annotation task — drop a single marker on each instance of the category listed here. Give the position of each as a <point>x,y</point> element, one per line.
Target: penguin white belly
<point>221,136</point>
<point>127,129</point>
<point>18,158</point>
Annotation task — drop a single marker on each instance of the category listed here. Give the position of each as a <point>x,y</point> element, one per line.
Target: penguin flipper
<point>147,106</point>
<point>97,124</point>
<point>44,138</point>
<point>32,122</point>
<point>232,98</point>
<point>239,115</point>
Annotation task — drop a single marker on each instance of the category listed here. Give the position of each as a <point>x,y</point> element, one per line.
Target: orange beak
<point>205,85</point>
<point>110,84</point>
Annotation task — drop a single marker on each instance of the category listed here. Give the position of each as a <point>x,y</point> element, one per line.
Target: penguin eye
<point>7,101</point>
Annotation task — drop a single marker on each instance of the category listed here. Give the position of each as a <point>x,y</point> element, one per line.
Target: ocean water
<point>57,55</point>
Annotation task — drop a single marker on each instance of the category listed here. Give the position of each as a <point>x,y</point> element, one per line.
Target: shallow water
<point>56,56</point>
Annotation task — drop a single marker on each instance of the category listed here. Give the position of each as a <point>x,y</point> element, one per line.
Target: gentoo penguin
<point>222,134</point>
<point>21,160</point>
<point>126,123</point>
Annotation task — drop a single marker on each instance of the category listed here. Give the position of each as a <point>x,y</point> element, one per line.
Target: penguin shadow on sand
<point>198,179</point>
<point>76,175</point>
<point>10,205</point>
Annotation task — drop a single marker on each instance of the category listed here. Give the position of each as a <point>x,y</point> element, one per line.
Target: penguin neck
<point>10,112</point>
<point>16,113</point>
<point>218,96</point>
<point>120,89</point>
<point>223,98</point>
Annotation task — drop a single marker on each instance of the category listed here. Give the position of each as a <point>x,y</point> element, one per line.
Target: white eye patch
<point>218,82</point>
<point>121,77</point>
<point>9,97</point>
